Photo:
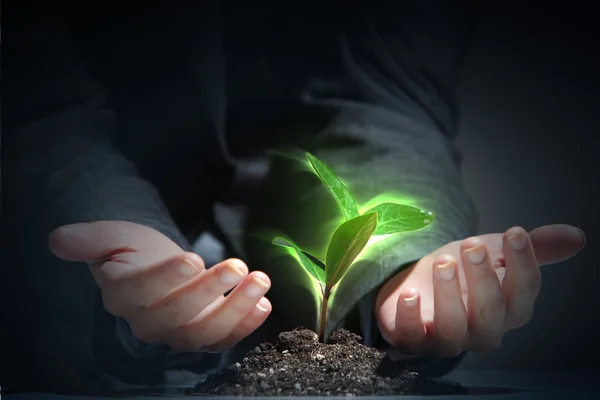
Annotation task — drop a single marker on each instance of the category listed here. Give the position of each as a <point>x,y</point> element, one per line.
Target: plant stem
<point>323,317</point>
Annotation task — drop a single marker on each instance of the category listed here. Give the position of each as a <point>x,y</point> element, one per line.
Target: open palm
<point>468,293</point>
<point>165,294</point>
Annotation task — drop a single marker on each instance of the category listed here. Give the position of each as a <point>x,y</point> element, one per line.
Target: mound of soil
<point>298,365</point>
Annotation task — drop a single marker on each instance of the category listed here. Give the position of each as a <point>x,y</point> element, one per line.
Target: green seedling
<point>351,237</point>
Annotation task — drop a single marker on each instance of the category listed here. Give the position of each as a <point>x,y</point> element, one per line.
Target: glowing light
<point>389,197</point>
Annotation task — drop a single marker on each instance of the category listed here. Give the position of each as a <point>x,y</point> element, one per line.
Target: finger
<point>555,243</point>
<point>101,241</point>
<point>450,316</point>
<point>128,289</point>
<point>184,303</point>
<point>485,305</point>
<point>249,324</point>
<point>409,332</point>
<point>523,278</point>
<point>111,273</point>
<point>386,304</point>
<point>217,323</point>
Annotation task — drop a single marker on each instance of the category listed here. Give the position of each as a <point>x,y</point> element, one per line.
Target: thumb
<point>555,243</point>
<point>91,242</point>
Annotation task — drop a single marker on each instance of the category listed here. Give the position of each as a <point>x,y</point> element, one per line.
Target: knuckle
<point>209,285</point>
<point>167,306</point>
<point>482,274</point>
<point>535,283</point>
<point>499,301</point>
<point>493,311</point>
<point>185,258</point>
<point>137,285</point>
<point>238,310</point>
<point>531,288</point>
<point>154,306</point>
<point>179,258</point>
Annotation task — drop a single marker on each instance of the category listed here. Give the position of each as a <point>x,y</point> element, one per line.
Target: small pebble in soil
<point>298,365</point>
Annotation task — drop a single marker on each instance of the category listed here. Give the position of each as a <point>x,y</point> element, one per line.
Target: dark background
<point>530,97</point>
<point>529,135</point>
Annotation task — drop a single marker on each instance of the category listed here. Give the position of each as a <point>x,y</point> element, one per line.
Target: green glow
<point>336,187</point>
<point>315,287</point>
<point>396,218</point>
<point>291,153</point>
<point>305,259</point>
<point>389,197</point>
<point>346,244</point>
<point>357,231</point>
<point>376,239</point>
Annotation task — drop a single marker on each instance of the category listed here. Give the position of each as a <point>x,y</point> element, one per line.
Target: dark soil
<point>298,365</point>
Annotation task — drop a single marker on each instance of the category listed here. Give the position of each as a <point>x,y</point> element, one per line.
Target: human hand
<point>165,294</point>
<point>468,293</point>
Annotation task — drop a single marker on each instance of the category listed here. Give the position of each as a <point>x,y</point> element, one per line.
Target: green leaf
<point>306,260</point>
<point>396,218</point>
<point>337,188</point>
<point>315,260</point>
<point>347,242</point>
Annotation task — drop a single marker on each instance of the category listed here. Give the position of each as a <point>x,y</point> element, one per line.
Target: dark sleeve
<point>59,168</point>
<point>408,58</point>
<point>395,118</point>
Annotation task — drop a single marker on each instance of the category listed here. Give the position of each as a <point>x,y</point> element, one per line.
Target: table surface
<point>496,385</point>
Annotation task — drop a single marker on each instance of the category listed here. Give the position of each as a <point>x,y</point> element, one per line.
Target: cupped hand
<point>467,294</point>
<point>165,294</point>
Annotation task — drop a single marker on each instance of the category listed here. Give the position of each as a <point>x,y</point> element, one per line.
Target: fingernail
<point>518,241</point>
<point>231,275</point>
<point>583,237</point>
<point>476,254</point>
<point>187,268</point>
<point>411,301</point>
<point>447,271</point>
<point>262,305</point>
<point>256,288</point>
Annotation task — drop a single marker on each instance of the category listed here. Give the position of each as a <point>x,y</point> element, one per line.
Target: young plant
<point>351,237</point>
